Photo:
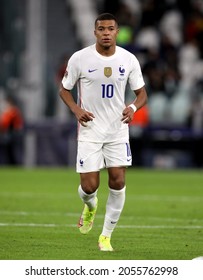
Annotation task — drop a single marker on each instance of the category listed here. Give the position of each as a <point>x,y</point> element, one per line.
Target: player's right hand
<point>84,116</point>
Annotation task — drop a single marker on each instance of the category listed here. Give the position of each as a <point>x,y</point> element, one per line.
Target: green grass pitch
<point>39,210</point>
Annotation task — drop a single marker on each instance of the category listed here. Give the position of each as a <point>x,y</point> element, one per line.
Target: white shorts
<point>95,156</point>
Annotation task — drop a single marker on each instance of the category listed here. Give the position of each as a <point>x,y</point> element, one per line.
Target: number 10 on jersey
<point>107,90</point>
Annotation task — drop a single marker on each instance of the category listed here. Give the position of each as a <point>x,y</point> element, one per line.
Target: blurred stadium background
<point>38,36</point>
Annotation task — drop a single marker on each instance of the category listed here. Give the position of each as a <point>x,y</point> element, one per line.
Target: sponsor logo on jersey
<point>92,70</point>
<point>107,71</point>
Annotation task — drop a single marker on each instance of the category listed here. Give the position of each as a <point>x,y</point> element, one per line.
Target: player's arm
<point>139,102</point>
<point>81,115</point>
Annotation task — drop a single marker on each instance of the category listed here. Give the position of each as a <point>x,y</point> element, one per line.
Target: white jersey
<point>101,83</point>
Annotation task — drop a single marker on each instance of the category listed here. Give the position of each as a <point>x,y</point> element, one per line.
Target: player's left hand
<point>127,115</point>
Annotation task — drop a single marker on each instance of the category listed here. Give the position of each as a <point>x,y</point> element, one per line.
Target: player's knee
<point>89,189</point>
<point>89,183</point>
<point>89,186</point>
<point>116,183</point>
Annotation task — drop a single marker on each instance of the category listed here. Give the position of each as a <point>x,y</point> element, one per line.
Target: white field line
<point>35,213</point>
<point>119,226</point>
<point>100,216</point>
<point>159,198</point>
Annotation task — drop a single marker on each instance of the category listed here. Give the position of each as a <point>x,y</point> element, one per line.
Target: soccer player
<point>101,72</point>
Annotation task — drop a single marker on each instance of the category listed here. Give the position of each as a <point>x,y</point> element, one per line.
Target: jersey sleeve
<point>136,80</point>
<point>72,74</point>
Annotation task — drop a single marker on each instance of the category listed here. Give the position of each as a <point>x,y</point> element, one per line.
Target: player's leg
<point>117,157</point>
<point>89,162</point>
<point>88,194</point>
<point>114,206</point>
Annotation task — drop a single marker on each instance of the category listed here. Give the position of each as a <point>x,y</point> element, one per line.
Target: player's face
<point>106,32</point>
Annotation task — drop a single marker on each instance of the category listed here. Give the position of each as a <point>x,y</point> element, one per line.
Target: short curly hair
<point>106,16</point>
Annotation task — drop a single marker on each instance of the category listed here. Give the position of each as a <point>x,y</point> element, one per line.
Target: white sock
<point>88,199</point>
<point>114,207</point>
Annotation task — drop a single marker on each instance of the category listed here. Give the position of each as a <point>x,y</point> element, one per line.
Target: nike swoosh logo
<point>129,159</point>
<point>93,70</point>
